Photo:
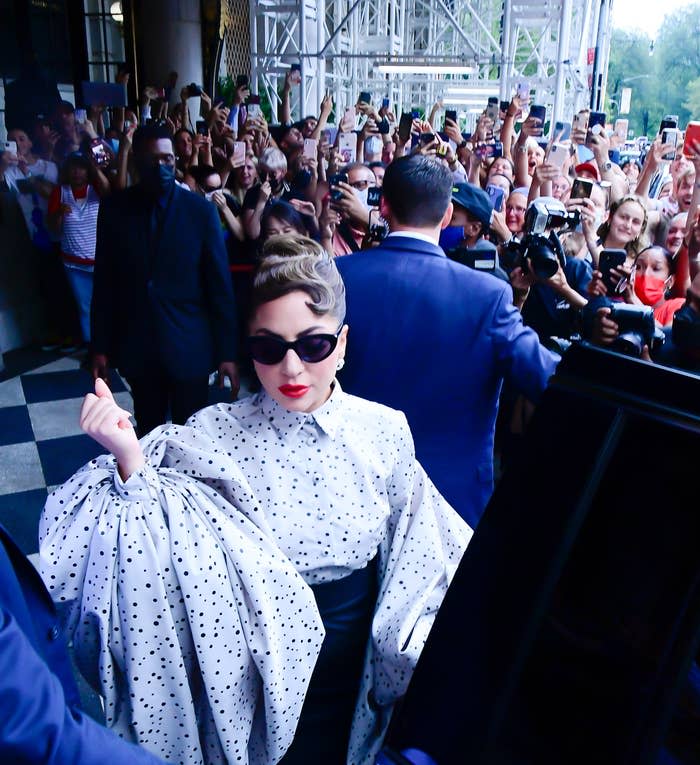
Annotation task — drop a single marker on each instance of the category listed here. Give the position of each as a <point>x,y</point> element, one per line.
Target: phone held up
<point>610,259</point>
<point>581,188</point>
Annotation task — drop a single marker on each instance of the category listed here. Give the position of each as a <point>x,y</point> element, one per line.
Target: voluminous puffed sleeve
<point>425,544</point>
<point>187,618</point>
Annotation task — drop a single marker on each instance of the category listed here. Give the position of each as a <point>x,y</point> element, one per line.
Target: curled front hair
<point>309,269</point>
<point>640,242</point>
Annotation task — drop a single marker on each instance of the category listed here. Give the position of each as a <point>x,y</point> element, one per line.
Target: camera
<point>636,327</point>
<point>378,232</point>
<point>194,90</point>
<point>543,251</point>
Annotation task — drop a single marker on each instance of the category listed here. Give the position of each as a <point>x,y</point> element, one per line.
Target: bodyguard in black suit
<point>163,307</point>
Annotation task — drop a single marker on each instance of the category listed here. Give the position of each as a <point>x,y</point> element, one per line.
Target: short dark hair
<point>418,190</point>
<point>147,133</point>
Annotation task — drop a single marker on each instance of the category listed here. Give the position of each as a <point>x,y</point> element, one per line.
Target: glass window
<point>105,38</point>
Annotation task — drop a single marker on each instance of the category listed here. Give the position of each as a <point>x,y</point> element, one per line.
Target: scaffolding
<point>414,52</point>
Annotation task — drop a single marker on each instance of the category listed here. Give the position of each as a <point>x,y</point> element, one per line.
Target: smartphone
<point>365,97</point>
<point>523,90</point>
<point>670,135</point>
<point>80,116</point>
<point>385,103</point>
<point>201,127</point>
<point>405,125</point>
<point>451,114</point>
<point>347,145</point>
<point>489,150</point>
<point>384,127</point>
<point>310,147</point>
<point>580,121</point>
<point>127,125</point>
<point>194,90</point>
<point>253,106</point>
<point>426,138</point>
<point>99,152</point>
<point>333,181</point>
<point>239,152</point>
<point>415,114</point>
<point>242,80</point>
<point>596,123</point>
<point>10,146</point>
<point>374,194</point>
<point>497,196</point>
<point>621,129</point>
<point>558,154</point>
<point>563,128</point>
<point>492,109</point>
<point>610,259</point>
<point>581,188</point>
<point>692,135</point>
<point>295,73</point>
<point>505,105</point>
<point>669,121</point>
<point>538,112</point>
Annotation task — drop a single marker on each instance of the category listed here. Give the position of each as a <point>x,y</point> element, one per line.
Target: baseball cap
<point>474,200</point>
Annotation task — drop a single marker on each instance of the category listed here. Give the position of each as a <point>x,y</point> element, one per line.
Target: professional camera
<point>544,251</point>
<point>636,327</point>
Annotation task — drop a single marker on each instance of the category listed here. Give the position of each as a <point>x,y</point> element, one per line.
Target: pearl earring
<point>340,364</point>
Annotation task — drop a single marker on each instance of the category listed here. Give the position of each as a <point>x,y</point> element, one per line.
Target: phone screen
<point>405,124</point>
<point>581,188</point>
<point>610,259</point>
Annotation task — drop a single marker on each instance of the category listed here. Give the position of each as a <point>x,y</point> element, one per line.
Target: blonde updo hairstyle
<point>293,263</point>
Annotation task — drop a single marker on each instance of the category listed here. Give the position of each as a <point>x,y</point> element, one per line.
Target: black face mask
<point>686,330</point>
<point>158,180</point>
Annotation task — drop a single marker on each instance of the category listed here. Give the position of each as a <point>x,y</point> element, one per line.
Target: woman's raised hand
<point>102,419</point>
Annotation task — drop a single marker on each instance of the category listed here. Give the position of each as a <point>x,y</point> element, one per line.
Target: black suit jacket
<point>162,297</point>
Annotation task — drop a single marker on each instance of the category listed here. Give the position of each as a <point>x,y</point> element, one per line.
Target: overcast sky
<point>646,15</point>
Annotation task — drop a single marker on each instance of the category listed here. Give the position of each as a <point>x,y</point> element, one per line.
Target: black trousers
<point>157,394</point>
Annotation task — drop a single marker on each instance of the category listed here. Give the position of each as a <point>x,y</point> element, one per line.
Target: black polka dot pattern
<point>192,617</point>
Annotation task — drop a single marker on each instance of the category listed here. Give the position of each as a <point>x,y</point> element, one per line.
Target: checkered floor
<point>41,444</point>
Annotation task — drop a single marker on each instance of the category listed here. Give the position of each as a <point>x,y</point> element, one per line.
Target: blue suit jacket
<point>40,720</point>
<point>435,339</point>
<point>165,296</point>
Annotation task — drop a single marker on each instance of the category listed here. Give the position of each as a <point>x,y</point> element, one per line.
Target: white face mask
<point>373,144</point>
<point>362,195</point>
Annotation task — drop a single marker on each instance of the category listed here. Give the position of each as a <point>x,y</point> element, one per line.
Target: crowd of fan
<point>324,181</point>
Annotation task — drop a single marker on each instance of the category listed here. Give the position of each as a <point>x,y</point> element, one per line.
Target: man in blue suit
<point>434,338</point>
<point>40,718</point>
<point>163,308</point>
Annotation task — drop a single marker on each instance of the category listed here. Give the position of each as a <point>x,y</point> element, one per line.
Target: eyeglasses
<point>360,185</point>
<point>266,349</point>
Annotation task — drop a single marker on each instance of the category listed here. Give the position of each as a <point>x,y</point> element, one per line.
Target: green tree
<point>677,54</point>
<point>631,66</point>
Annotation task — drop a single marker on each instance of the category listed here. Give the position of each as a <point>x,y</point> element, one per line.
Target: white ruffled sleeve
<point>426,541</point>
<point>188,620</point>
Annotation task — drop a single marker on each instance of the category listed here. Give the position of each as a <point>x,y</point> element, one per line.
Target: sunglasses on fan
<point>267,349</point>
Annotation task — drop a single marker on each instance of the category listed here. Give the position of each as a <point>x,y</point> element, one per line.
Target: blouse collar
<point>328,416</point>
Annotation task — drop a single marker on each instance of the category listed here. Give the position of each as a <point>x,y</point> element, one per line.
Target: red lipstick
<point>293,391</point>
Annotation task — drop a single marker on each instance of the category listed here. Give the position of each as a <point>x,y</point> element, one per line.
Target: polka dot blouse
<point>190,607</point>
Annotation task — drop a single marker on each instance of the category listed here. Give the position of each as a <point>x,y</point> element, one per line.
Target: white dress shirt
<point>201,560</point>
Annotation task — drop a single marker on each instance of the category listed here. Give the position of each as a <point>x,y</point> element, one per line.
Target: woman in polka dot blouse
<point>256,586</point>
